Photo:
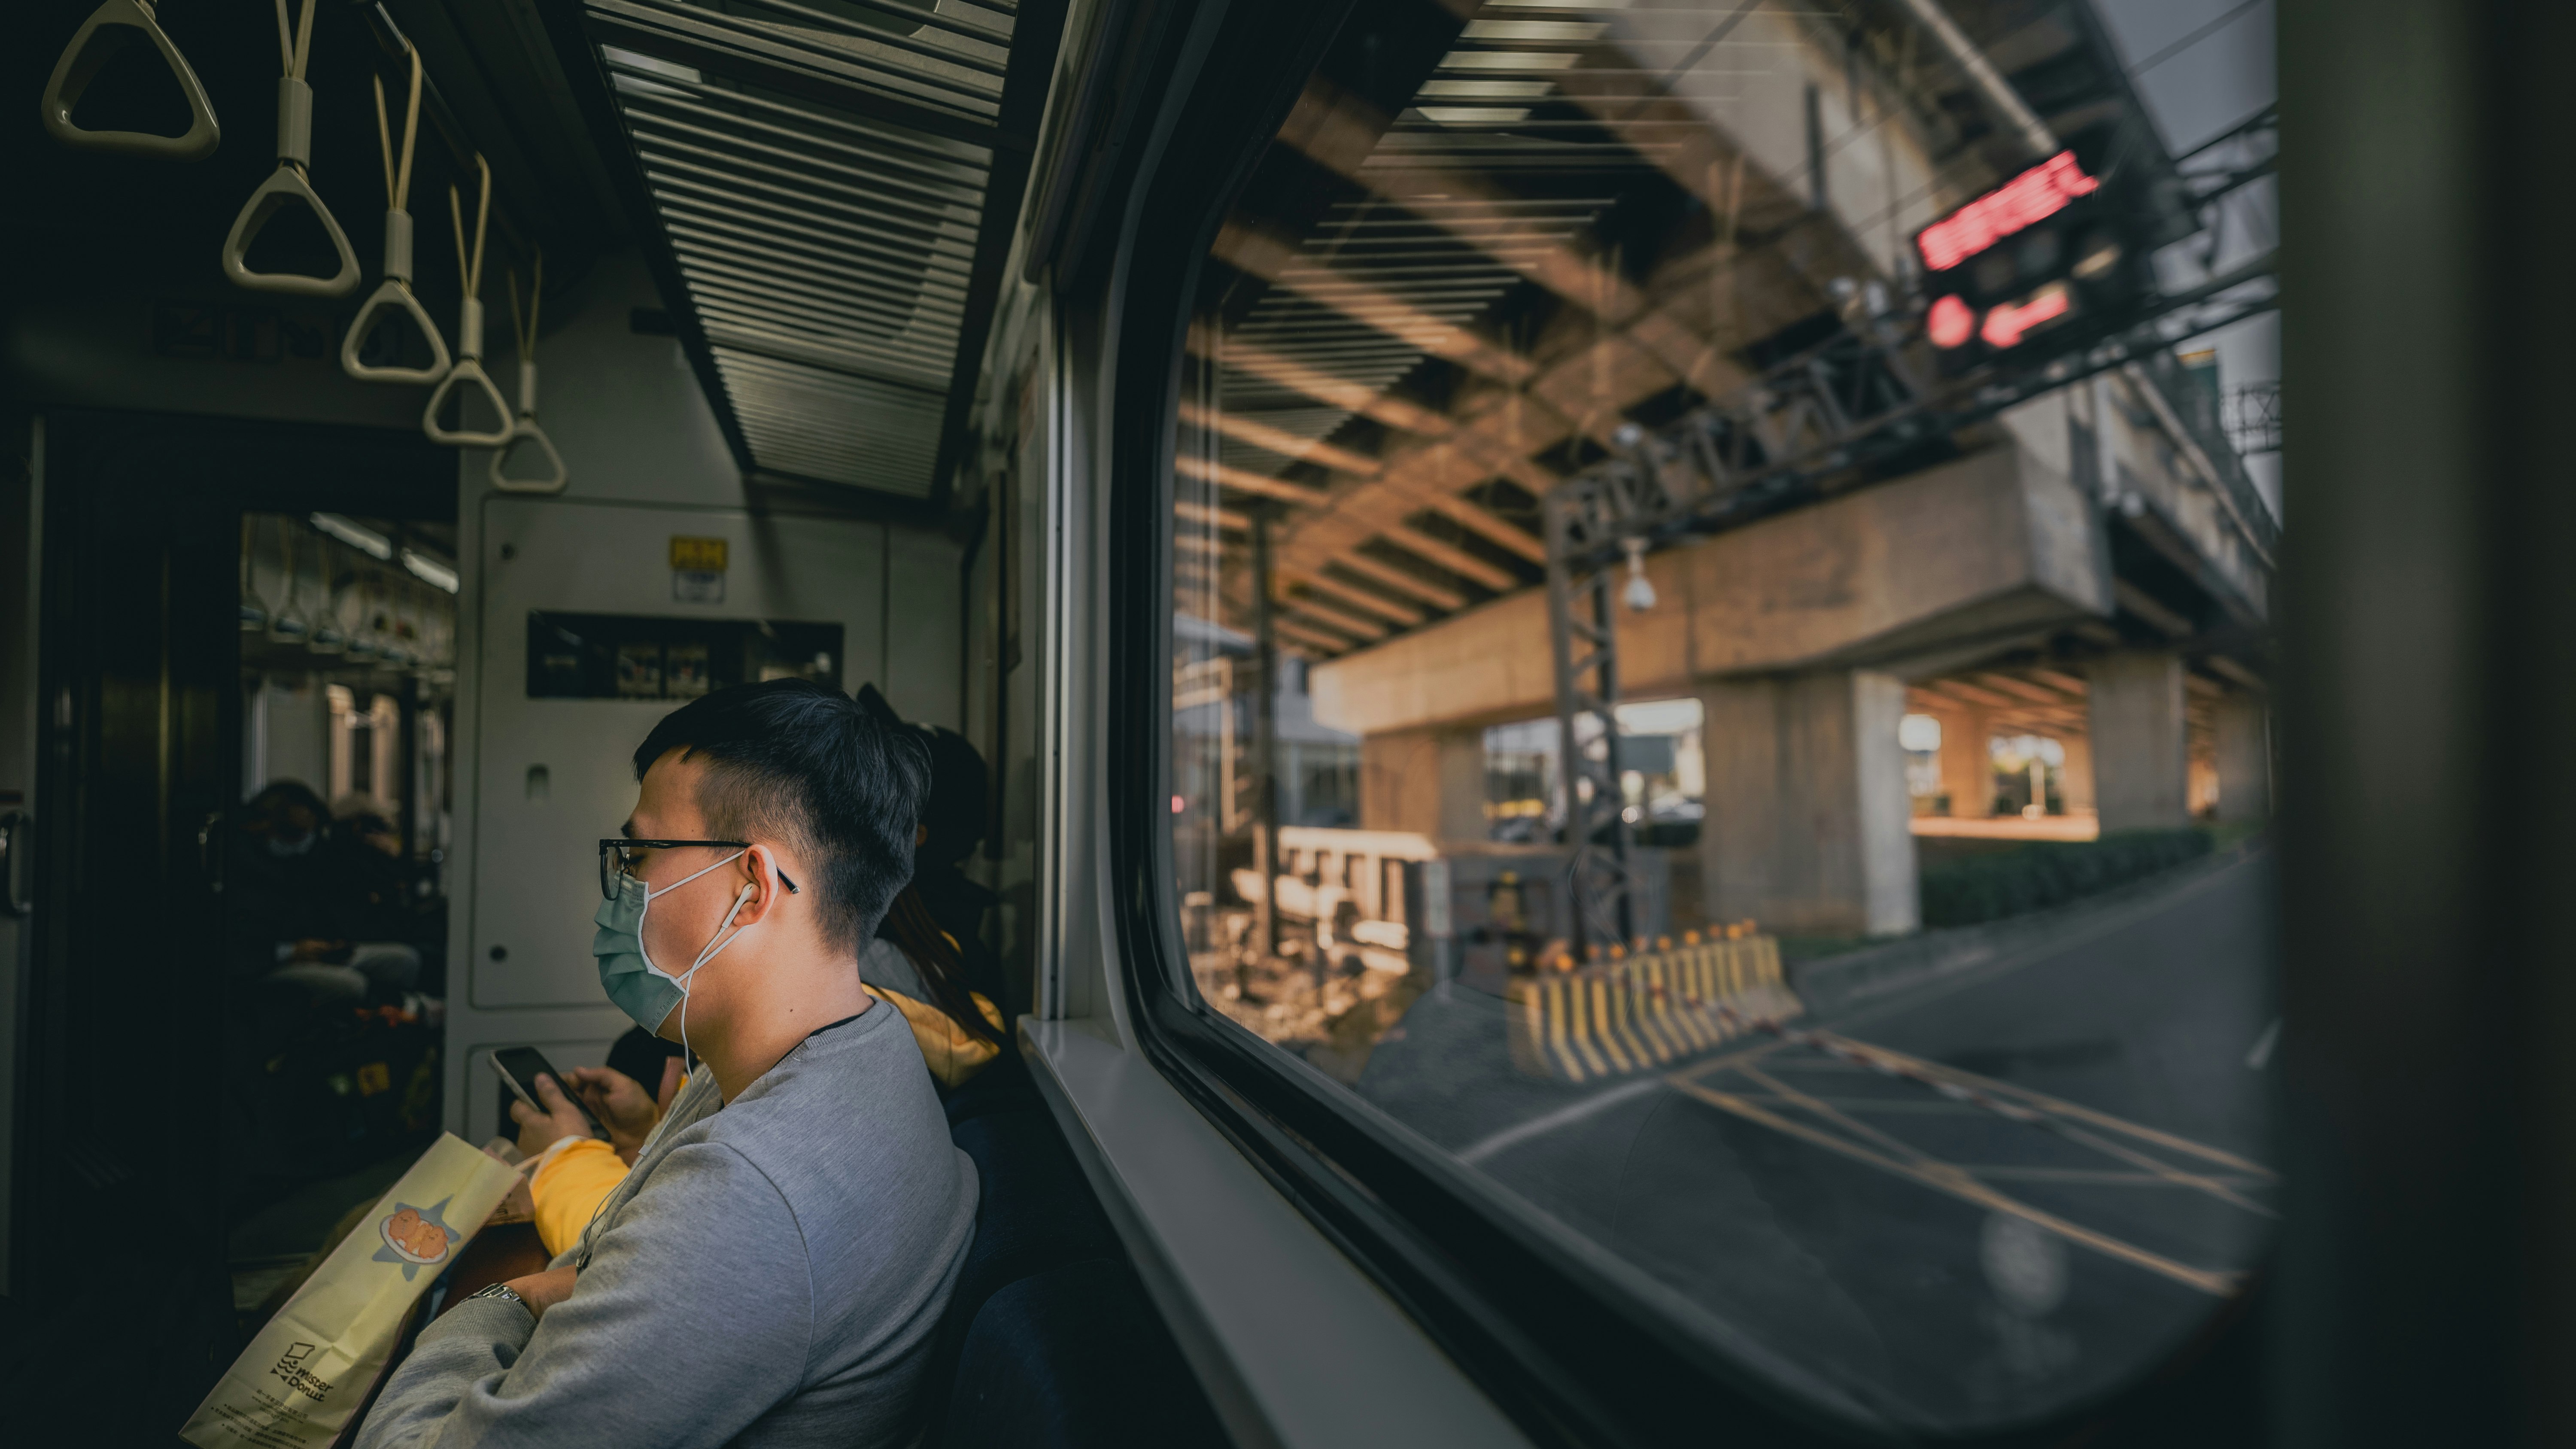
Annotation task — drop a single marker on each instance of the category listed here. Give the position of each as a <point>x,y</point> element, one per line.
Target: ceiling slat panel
<point>820,179</point>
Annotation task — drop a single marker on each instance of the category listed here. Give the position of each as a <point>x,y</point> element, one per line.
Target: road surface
<point>1968,1204</point>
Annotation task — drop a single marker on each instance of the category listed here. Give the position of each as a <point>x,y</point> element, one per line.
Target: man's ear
<point>768,884</point>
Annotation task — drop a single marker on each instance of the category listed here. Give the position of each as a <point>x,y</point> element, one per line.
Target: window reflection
<point>1747,727</point>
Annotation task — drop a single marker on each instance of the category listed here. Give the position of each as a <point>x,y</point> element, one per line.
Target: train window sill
<point>1296,1347</point>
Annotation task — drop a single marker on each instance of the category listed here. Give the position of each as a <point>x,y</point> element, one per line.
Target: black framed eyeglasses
<point>617,857</point>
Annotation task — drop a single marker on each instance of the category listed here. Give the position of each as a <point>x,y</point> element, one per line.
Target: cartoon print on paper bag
<point>417,1238</point>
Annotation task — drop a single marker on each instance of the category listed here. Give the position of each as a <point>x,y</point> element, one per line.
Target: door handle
<point>209,857</point>
<point>13,900</point>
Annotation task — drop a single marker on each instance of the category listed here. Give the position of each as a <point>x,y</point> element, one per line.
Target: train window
<point>1719,627</point>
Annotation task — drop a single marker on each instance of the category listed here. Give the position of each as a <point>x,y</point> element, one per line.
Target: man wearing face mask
<point>773,1268</point>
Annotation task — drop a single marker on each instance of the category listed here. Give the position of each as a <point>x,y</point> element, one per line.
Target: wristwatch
<point>500,1290</point>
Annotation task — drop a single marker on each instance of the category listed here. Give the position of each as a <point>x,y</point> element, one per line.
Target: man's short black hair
<point>794,761</point>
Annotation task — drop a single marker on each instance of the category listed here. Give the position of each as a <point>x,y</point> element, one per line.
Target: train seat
<point>1071,1358</point>
<point>1049,1339</point>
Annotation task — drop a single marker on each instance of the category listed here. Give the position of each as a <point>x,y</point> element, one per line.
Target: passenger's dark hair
<point>953,820</point>
<point>792,760</point>
<point>281,793</point>
<point>955,812</point>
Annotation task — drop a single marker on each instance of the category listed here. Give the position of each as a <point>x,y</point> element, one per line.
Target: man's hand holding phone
<point>618,1101</point>
<point>561,1118</point>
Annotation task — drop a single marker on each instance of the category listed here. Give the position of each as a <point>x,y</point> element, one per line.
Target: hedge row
<point>2047,873</point>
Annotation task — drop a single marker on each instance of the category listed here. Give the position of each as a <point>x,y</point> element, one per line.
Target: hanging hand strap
<point>395,290</point>
<point>113,26</point>
<point>528,433</point>
<point>289,183</point>
<point>468,371</point>
<point>524,329</point>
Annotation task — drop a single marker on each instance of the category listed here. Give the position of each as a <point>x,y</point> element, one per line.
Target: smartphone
<point>519,1066</point>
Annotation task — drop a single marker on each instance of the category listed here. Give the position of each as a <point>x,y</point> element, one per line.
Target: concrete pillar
<point>2075,777</point>
<point>1809,828</point>
<point>2244,760</point>
<point>1429,781</point>
<point>2141,780</point>
<point>1967,762</point>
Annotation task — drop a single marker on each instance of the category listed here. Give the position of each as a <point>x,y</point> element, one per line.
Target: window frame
<point>1574,1344</point>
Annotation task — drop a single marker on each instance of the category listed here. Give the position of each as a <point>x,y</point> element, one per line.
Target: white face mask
<point>627,971</point>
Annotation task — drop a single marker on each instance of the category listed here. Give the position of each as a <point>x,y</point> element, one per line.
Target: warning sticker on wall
<point>697,555</point>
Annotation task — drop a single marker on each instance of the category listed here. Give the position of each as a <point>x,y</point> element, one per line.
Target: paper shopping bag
<point>308,1371</point>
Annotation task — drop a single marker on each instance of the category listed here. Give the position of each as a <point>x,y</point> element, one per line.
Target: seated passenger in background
<point>922,970</point>
<point>773,1269</point>
<point>950,827</point>
<point>384,927</point>
<point>288,903</point>
<point>316,903</point>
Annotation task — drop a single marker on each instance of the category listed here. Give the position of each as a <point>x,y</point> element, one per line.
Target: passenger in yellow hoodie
<point>912,965</point>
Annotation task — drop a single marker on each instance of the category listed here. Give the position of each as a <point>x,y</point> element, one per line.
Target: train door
<point>145,1099</point>
<point>21,493</point>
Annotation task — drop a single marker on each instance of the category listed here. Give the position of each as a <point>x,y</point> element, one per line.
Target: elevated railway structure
<point>1565,316</point>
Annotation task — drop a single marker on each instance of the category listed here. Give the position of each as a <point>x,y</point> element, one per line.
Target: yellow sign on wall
<point>698,555</point>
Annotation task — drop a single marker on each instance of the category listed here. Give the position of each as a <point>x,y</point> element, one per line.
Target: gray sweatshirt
<point>770,1274</point>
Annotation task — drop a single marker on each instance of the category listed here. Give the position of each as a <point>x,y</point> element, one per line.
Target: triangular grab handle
<point>395,293</point>
<point>468,372</point>
<point>556,474</point>
<point>287,184</point>
<point>114,25</point>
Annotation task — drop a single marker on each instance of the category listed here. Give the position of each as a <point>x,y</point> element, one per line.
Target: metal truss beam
<point>1812,426</point>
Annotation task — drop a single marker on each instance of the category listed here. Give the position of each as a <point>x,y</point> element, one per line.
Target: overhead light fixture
<point>429,570</point>
<point>1640,594</point>
<point>355,535</point>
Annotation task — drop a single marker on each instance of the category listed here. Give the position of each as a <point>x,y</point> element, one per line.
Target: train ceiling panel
<point>827,190</point>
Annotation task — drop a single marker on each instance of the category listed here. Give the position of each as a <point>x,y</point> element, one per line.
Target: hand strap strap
<point>395,291</point>
<point>290,183</point>
<point>523,328</point>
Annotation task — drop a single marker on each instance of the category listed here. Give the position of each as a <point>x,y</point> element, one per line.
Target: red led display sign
<point>2033,196</point>
<point>2007,324</point>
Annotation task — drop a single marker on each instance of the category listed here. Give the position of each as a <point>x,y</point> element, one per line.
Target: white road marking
<point>1565,1116</point>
